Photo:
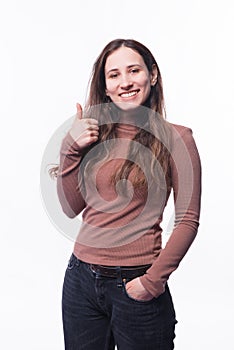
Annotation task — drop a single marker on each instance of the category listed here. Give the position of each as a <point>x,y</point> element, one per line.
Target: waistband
<point>116,271</point>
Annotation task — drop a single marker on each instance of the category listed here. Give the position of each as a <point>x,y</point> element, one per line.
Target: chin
<point>127,106</point>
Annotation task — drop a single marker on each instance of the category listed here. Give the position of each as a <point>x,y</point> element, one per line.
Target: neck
<point>135,116</point>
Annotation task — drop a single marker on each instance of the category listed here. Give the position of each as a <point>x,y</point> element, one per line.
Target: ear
<point>154,75</point>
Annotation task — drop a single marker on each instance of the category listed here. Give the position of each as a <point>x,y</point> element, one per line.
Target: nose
<point>126,82</point>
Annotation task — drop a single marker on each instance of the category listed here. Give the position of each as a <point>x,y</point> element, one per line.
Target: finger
<point>91,139</point>
<point>94,133</point>
<point>79,111</point>
<point>91,133</point>
<point>128,285</point>
<point>91,121</point>
<point>93,127</point>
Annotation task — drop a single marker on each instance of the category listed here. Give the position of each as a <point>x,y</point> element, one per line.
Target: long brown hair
<point>97,92</point>
<point>155,135</point>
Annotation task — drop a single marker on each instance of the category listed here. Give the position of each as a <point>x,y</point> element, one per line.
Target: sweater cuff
<point>69,146</point>
<point>154,288</point>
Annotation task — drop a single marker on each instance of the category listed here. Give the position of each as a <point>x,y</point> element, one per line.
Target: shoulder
<point>182,142</point>
<point>179,130</point>
<point>180,133</point>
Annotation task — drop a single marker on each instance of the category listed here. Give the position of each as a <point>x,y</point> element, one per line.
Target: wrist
<point>144,286</point>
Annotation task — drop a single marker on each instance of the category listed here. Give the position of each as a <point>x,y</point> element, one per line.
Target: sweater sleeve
<point>186,185</point>
<point>69,194</point>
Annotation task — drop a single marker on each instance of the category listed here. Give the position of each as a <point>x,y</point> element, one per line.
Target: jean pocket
<point>136,300</point>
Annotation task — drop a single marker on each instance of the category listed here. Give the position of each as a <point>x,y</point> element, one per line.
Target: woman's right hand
<point>84,131</point>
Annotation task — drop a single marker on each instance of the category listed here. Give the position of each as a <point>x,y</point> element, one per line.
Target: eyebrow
<point>130,66</point>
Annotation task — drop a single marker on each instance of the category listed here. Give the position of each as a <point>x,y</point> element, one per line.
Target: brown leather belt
<point>116,271</point>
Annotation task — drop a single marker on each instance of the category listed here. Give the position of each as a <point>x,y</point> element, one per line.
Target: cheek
<point>110,88</point>
<point>145,82</point>
<point>146,86</point>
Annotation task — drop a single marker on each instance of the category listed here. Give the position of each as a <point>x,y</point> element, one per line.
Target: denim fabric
<point>99,314</point>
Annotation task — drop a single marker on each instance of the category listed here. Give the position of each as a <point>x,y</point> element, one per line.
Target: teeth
<point>129,94</point>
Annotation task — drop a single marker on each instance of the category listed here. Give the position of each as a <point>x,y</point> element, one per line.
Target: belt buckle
<point>91,266</point>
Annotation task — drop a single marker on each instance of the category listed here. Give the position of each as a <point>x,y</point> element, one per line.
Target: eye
<point>113,75</point>
<point>135,70</point>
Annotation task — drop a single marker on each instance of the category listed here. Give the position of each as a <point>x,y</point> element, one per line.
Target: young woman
<point>118,164</point>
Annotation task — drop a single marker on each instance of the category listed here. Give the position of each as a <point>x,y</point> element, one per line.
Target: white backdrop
<point>47,51</point>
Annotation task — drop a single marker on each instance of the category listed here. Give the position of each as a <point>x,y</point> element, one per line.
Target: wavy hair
<point>155,133</point>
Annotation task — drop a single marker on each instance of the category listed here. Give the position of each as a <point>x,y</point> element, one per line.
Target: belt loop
<point>119,277</point>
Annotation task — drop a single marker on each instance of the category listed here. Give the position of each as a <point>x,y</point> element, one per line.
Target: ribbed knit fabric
<point>123,229</point>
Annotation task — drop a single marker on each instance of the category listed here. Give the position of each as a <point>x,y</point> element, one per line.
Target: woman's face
<point>128,80</point>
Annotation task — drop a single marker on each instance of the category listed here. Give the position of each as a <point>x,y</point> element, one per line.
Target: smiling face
<point>128,80</point>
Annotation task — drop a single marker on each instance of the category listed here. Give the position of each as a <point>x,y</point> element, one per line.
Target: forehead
<point>123,57</point>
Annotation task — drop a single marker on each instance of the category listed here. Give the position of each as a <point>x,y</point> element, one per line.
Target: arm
<point>81,135</point>
<point>186,184</point>
<point>70,197</point>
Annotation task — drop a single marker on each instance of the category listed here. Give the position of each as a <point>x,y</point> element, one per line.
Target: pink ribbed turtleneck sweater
<point>123,229</point>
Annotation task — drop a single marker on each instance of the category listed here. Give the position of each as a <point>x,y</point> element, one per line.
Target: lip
<point>129,94</point>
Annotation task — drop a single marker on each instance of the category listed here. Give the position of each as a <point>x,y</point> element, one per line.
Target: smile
<point>129,94</point>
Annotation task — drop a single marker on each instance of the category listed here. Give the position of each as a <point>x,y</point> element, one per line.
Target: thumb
<point>79,111</point>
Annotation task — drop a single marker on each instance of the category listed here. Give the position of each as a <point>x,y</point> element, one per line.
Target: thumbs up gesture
<point>84,131</point>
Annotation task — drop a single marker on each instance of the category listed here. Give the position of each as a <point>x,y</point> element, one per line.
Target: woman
<point>118,164</point>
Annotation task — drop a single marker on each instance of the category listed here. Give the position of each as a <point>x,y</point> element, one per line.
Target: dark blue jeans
<point>98,314</point>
